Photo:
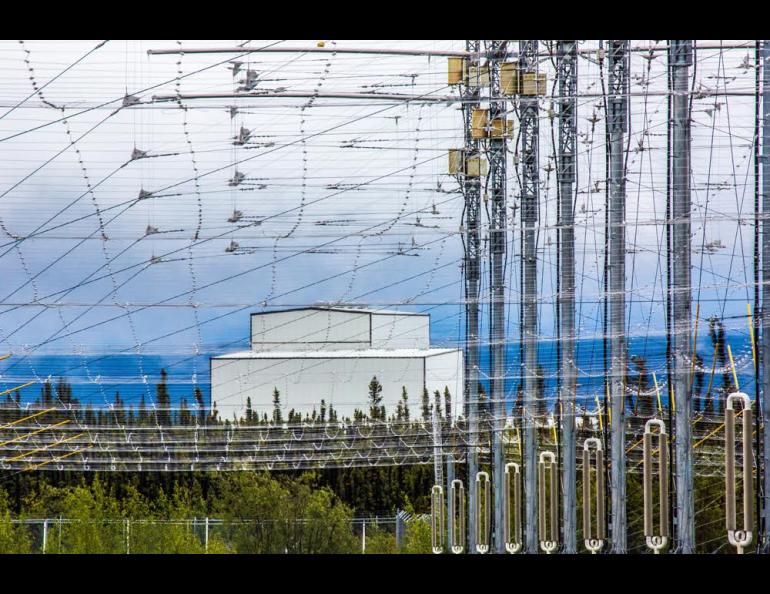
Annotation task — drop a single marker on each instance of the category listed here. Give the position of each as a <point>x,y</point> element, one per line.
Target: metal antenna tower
<point>438,467</point>
<point>680,58</point>
<point>496,154</point>
<point>765,358</point>
<point>530,193</point>
<point>617,126</point>
<point>472,269</point>
<point>566,73</point>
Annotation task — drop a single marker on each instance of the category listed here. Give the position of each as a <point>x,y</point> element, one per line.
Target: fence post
<point>128,536</point>
<point>206,536</point>
<point>363,537</point>
<point>45,534</point>
<point>399,530</point>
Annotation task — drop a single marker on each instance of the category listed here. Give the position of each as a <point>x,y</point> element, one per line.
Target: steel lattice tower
<point>680,58</point>
<point>765,322</point>
<point>497,248</point>
<point>530,195</point>
<point>472,269</point>
<point>566,73</point>
<point>617,126</point>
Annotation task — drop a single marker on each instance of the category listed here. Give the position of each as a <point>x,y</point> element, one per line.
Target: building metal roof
<point>342,354</point>
<point>363,310</point>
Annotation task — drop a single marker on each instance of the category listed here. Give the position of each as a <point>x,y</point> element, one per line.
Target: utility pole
<point>566,72</point>
<point>472,269</point>
<point>680,58</point>
<point>617,126</point>
<point>530,193</point>
<point>496,153</point>
<point>765,359</point>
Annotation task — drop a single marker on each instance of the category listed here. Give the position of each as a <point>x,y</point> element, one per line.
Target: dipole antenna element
<point>482,512</point>
<point>740,539</point>
<point>548,497</point>
<point>593,531</point>
<point>656,542</point>
<point>457,516</point>
<point>437,519</point>
<point>512,503</point>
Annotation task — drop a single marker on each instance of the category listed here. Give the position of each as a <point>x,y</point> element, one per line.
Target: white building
<point>331,354</point>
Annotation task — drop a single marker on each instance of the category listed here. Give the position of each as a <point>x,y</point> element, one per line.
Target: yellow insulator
<point>475,166</point>
<point>320,44</point>
<point>501,128</point>
<point>533,84</point>
<point>479,123</point>
<point>455,161</point>
<point>478,76</point>
<point>509,78</point>
<point>457,68</point>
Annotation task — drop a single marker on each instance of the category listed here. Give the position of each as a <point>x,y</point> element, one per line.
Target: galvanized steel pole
<point>617,125</point>
<point>765,359</point>
<point>680,60</point>
<point>530,194</point>
<point>472,270</point>
<point>496,51</point>
<point>566,72</point>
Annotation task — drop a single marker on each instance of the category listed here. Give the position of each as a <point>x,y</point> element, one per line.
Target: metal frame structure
<point>437,519</point>
<point>593,532</point>
<point>512,509</point>
<point>457,512</point>
<point>739,538</point>
<point>483,495</point>
<point>656,542</point>
<point>548,502</point>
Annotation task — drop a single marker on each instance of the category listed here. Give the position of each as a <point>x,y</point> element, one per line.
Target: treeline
<point>259,513</point>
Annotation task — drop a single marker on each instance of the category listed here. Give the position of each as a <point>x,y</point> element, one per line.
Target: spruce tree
<point>425,405</point>
<point>249,412</point>
<point>375,398</point>
<point>447,404</point>
<point>277,415</point>
<point>198,395</point>
<point>405,403</point>
<point>163,400</point>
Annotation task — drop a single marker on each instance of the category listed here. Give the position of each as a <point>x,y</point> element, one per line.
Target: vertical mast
<point>566,72</point>
<point>617,126</point>
<point>680,61</point>
<point>472,191</point>
<point>765,53</point>
<point>497,247</point>
<point>530,193</point>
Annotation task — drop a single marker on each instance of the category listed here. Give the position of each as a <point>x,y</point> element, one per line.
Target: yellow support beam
<point>657,391</point>
<point>4,357</point>
<point>50,445</point>
<point>67,455</point>
<point>599,412</point>
<point>8,391</point>
<point>37,414</point>
<point>20,437</point>
<point>695,338</point>
<point>751,334</point>
<point>732,365</point>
